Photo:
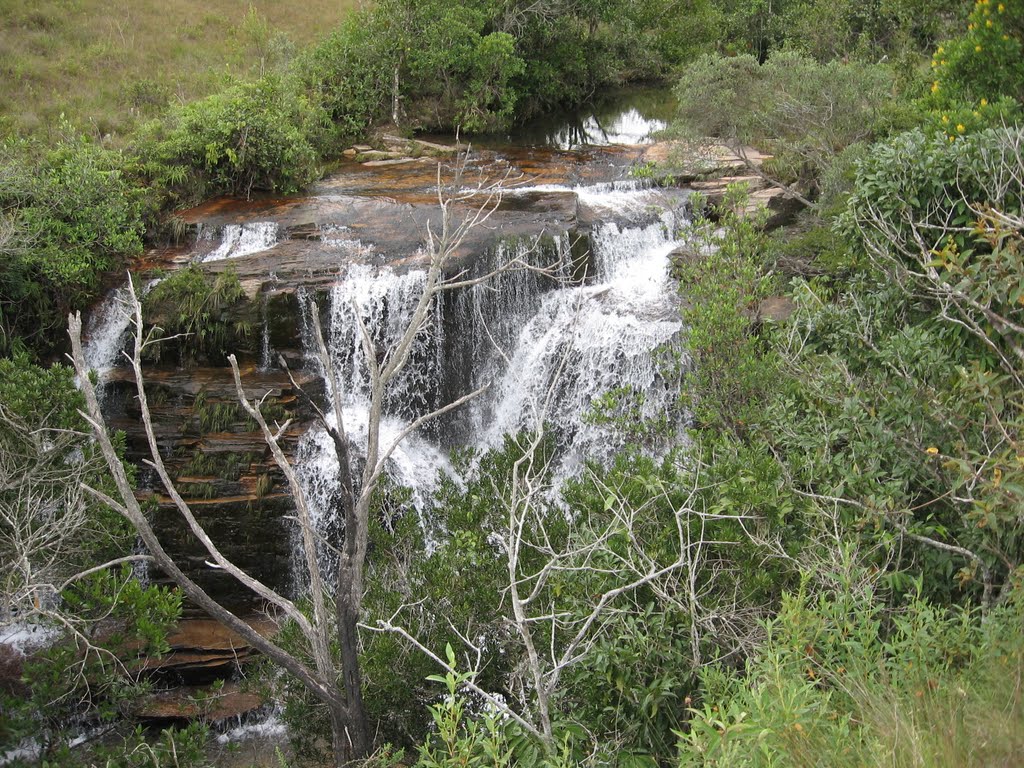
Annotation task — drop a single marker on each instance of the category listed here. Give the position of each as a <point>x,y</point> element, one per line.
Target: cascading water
<point>587,341</point>
<point>381,301</point>
<point>243,240</point>
<point>550,346</point>
<point>107,331</point>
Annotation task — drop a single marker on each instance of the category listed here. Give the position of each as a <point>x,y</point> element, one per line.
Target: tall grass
<point>108,65</point>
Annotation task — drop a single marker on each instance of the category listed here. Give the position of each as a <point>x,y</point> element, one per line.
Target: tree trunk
<point>356,728</point>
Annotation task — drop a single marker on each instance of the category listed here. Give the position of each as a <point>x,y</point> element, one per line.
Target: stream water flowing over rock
<point>603,322</point>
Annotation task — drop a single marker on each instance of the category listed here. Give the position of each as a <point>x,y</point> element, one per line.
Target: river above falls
<point>607,326</point>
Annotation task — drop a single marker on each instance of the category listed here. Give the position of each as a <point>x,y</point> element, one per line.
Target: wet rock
<point>393,161</point>
<point>202,644</point>
<point>187,703</point>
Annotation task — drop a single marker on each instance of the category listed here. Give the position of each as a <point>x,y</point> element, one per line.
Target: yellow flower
<point>1001,8</point>
<point>1006,37</point>
<point>945,118</point>
<point>976,113</point>
<point>988,22</point>
<point>970,27</point>
<point>984,102</point>
<point>935,63</point>
<point>932,450</point>
<point>935,87</point>
<point>960,128</point>
<point>977,49</point>
<point>940,49</point>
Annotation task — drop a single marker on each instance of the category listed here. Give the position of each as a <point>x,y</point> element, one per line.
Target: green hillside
<point>105,64</point>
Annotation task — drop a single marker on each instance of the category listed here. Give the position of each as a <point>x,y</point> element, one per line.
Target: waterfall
<point>587,341</point>
<point>243,240</point>
<point>107,330</point>
<point>551,347</point>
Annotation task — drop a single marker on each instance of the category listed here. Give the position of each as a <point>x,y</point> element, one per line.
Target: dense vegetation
<point>844,586</point>
<point>275,125</point>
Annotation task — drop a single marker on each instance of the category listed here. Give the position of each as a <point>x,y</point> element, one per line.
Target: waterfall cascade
<point>238,240</point>
<point>549,346</point>
<point>107,330</point>
<point>554,344</point>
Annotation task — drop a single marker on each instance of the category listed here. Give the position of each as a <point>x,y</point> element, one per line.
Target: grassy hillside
<point>106,64</point>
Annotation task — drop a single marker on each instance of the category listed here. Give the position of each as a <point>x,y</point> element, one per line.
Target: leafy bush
<point>837,685</point>
<point>349,74</point>
<point>779,106</point>
<point>256,136</point>
<point>209,309</point>
<point>68,218</point>
<point>986,62</point>
<point>722,283</point>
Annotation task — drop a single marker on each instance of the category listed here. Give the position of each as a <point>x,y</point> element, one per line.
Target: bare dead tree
<point>45,517</point>
<point>555,632</point>
<point>335,682</point>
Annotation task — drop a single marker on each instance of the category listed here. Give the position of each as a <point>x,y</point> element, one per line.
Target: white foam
<point>25,637</point>
<point>269,729</point>
<point>243,240</point>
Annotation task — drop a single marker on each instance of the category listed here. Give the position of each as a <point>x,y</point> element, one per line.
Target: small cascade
<point>589,341</point>
<point>266,353</point>
<point>490,316</point>
<point>340,237</point>
<point>382,301</point>
<point>242,240</point>
<point>417,464</point>
<point>107,330</point>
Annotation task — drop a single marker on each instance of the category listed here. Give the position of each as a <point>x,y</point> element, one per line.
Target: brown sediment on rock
<point>689,161</point>
<point>229,702</point>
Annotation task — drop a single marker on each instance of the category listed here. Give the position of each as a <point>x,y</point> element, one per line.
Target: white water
<point>269,729</point>
<point>586,341</point>
<point>352,248</point>
<point>243,240</point>
<point>107,330</point>
<point>549,350</point>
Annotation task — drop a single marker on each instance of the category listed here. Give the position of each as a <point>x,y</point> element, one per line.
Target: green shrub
<point>67,218</point>
<point>836,684</point>
<point>986,62</point>
<point>211,310</point>
<point>802,112</point>
<point>349,74</point>
<point>256,136</point>
<point>722,282</point>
